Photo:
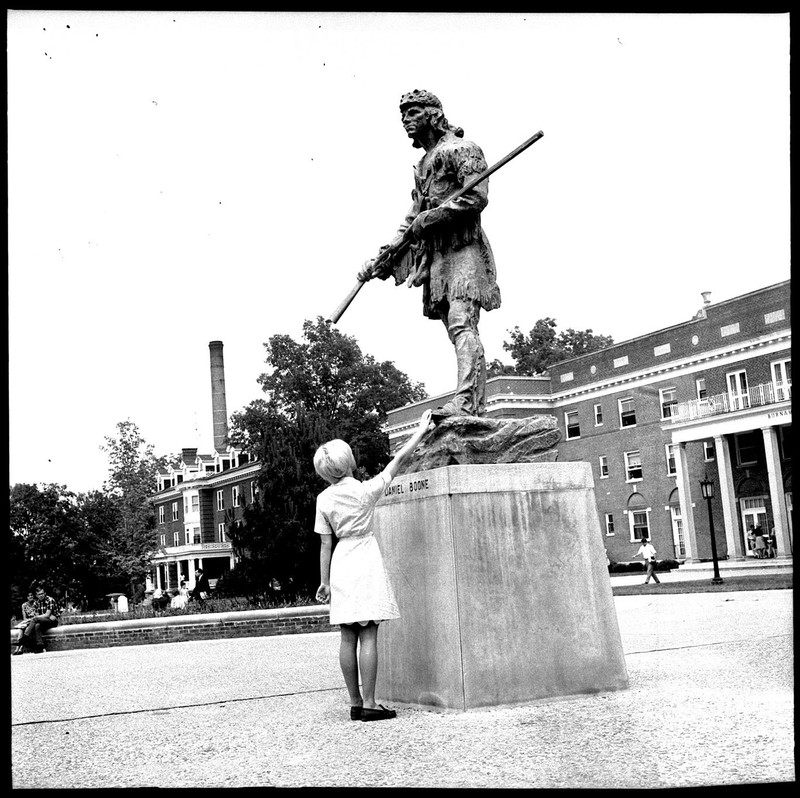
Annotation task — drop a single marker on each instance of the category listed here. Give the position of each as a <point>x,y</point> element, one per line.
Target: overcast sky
<point>178,178</point>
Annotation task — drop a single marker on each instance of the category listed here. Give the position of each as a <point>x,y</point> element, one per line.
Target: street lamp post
<point>707,489</point>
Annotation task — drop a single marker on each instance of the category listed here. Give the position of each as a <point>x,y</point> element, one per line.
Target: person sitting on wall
<point>46,617</point>
<point>28,612</point>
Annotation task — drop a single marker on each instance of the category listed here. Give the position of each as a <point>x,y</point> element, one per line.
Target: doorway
<point>754,513</point>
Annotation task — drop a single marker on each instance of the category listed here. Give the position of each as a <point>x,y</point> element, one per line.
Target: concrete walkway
<point>710,703</point>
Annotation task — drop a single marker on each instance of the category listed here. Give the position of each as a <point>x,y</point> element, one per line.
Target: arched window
<point>638,511</point>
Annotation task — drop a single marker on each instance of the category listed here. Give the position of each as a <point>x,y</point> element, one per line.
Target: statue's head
<point>419,109</point>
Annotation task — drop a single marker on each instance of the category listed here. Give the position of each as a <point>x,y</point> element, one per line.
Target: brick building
<point>198,500</point>
<point>654,415</point>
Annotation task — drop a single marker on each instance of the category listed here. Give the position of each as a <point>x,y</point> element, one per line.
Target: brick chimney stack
<point>219,409</point>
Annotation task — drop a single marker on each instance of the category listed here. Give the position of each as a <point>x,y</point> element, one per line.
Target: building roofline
<point>652,333</point>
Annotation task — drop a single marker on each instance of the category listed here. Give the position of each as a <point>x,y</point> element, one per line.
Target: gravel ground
<point>710,703</point>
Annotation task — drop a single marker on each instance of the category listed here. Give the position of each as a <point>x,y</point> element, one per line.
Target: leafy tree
<point>321,388</point>
<point>45,531</point>
<point>535,352</point>
<point>127,546</point>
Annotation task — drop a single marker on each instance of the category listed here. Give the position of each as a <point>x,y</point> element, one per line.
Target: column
<point>776,496</point>
<point>685,498</point>
<point>727,496</point>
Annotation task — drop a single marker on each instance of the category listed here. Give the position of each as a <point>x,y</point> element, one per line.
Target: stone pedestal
<point>501,578</point>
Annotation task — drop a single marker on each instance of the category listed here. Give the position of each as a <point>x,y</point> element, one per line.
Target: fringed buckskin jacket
<point>453,260</point>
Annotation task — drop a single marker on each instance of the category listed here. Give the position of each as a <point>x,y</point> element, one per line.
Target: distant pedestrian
<point>202,590</point>
<point>352,576</point>
<point>46,617</point>
<point>751,540</point>
<point>648,552</point>
<point>761,544</point>
<point>771,550</point>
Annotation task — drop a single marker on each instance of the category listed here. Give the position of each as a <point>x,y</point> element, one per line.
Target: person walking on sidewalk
<point>352,576</point>
<point>648,552</point>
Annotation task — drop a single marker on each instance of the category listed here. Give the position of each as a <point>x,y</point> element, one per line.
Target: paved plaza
<point>711,702</point>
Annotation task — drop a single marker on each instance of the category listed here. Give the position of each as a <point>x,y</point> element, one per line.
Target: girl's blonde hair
<point>333,460</point>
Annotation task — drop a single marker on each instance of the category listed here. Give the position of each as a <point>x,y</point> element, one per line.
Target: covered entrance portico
<point>739,511</point>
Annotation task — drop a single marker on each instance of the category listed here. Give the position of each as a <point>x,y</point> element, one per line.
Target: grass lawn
<point>705,585</point>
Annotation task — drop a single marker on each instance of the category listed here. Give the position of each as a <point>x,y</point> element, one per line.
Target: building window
<point>253,491</point>
<point>187,537</point>
<point>221,530</point>
<point>186,505</point>
<point>609,524</point>
<point>700,385</point>
<point>195,502</point>
<point>747,448</point>
<point>782,380</point>
<point>709,453</point>
<point>598,415</point>
<point>572,426</point>
<point>162,539</point>
<point>237,502</point>
<point>672,464</point>
<point>220,500</point>
<point>627,413</point>
<point>176,538</point>
<point>738,395</point>
<point>161,515</point>
<point>633,466</point>
<point>640,524</point>
<point>174,511</point>
<point>603,467</point>
<point>196,534</point>
<point>669,402</point>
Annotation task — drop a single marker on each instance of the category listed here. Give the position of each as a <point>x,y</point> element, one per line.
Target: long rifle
<point>398,247</point>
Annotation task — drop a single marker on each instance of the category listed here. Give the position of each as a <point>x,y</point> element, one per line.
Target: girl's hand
<point>323,594</point>
<point>425,421</point>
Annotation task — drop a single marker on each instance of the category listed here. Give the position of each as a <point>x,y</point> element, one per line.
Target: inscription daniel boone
<point>398,489</point>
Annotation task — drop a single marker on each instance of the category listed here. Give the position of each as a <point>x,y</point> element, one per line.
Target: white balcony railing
<point>766,394</point>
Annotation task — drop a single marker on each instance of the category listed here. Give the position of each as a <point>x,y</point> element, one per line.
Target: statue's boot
<point>470,396</point>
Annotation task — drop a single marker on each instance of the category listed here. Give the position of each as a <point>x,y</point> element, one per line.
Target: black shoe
<point>379,713</point>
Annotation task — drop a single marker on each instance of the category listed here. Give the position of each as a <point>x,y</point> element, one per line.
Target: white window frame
<point>622,425</point>
<point>738,389</point>
<point>676,522</point>
<point>598,415</point>
<point>567,425</point>
<point>221,532</point>
<point>162,515</point>
<point>635,538</point>
<point>609,522</point>
<point>195,502</point>
<point>626,455</point>
<point>603,466</point>
<point>781,380</point>
<point>176,541</point>
<point>175,515</point>
<point>197,536</point>
<point>162,539</point>
<point>220,500</point>
<point>237,499</point>
<point>670,450</point>
<point>253,491</point>
<point>668,408</point>
<point>709,451</point>
<point>186,505</point>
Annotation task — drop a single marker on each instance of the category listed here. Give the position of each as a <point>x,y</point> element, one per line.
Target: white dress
<point>360,589</point>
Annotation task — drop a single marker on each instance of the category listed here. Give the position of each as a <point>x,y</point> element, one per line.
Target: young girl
<point>354,579</point>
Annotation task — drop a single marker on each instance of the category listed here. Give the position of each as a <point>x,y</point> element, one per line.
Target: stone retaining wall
<point>175,628</point>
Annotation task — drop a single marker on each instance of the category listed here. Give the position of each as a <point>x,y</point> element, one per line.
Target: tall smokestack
<point>219,409</point>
